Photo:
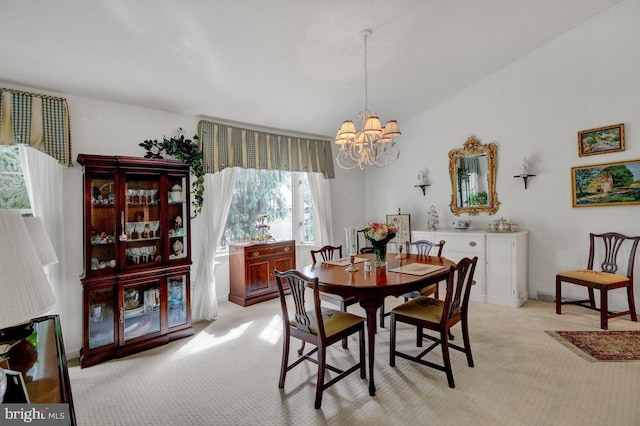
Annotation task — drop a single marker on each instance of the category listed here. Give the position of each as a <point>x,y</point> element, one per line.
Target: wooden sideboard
<point>42,361</point>
<point>251,268</point>
<point>501,273</point>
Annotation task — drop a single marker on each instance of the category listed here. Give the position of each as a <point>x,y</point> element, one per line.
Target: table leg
<point>371,308</point>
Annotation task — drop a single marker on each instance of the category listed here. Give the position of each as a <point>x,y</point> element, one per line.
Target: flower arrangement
<point>380,234</point>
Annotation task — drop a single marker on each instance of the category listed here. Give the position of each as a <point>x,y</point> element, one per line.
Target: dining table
<point>402,274</point>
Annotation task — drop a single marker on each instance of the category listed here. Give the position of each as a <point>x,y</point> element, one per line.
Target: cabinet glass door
<point>176,220</point>
<point>142,220</point>
<point>103,223</point>
<point>177,300</point>
<point>101,328</point>
<point>140,309</point>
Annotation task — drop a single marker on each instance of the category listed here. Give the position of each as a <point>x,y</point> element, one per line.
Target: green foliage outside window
<point>13,190</point>
<point>257,192</point>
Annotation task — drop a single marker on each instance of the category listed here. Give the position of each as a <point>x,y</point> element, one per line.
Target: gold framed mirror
<point>472,170</point>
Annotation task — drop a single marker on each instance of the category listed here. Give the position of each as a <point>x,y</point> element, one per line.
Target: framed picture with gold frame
<point>608,184</point>
<point>602,140</point>
<point>403,223</point>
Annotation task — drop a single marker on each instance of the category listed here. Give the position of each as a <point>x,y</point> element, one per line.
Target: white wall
<point>587,78</point>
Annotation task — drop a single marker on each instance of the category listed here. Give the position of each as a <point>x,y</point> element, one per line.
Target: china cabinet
<point>501,271</point>
<point>136,289</point>
<point>251,266</point>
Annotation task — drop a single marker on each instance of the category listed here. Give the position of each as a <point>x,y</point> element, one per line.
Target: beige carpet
<point>227,374</point>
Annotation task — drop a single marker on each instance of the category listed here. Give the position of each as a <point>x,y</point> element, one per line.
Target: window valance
<point>225,145</point>
<point>36,120</point>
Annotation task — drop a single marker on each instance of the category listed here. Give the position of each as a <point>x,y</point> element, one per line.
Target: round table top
<point>335,279</point>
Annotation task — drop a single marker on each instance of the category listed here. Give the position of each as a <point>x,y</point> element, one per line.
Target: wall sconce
<point>525,170</point>
<point>422,182</point>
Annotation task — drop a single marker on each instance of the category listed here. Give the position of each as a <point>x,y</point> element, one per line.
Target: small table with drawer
<point>251,266</point>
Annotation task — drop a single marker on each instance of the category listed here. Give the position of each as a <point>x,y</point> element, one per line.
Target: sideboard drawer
<point>269,250</point>
<point>472,244</point>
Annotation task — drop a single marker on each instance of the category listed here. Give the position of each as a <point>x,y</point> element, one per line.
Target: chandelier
<point>373,144</point>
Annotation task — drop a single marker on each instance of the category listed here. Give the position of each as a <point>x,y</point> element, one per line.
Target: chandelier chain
<point>366,77</point>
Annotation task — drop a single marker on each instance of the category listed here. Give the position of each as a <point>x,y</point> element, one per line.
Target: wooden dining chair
<point>439,315</point>
<point>366,247</point>
<point>316,325</point>
<point>605,248</point>
<point>422,248</point>
<point>329,252</point>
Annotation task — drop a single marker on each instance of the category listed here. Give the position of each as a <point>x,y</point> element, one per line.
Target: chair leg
<point>345,344</point>
<point>301,350</point>
<point>392,341</point>
<point>363,371</point>
<point>418,336</point>
<point>632,304</point>
<point>285,359</point>
<point>467,342</point>
<point>444,342</point>
<point>558,295</point>
<point>604,309</point>
<point>322,352</point>
<point>592,299</point>
<point>382,315</point>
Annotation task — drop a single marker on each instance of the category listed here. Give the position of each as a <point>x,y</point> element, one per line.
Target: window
<point>13,190</point>
<point>285,199</point>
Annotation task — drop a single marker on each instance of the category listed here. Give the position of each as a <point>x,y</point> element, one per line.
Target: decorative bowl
<point>461,224</point>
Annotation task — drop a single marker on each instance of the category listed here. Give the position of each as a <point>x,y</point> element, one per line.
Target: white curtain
<point>218,189</point>
<point>43,177</point>
<point>321,193</point>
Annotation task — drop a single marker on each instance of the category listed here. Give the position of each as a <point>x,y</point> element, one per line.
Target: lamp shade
<point>391,128</point>
<point>41,240</point>
<point>372,126</point>
<point>25,292</point>
<point>347,130</point>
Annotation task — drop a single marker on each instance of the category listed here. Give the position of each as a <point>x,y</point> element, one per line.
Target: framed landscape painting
<point>602,140</point>
<point>403,223</point>
<point>609,184</point>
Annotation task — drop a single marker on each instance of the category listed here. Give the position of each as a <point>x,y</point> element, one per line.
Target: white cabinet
<point>506,268</point>
<point>501,271</point>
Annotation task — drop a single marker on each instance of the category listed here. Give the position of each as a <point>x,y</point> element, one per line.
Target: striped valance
<point>40,121</point>
<point>225,146</point>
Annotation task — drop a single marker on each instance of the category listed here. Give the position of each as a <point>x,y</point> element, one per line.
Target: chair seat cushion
<point>422,308</point>
<point>594,276</point>
<point>334,321</point>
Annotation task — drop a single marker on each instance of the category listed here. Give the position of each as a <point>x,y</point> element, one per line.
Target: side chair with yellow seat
<point>606,249</point>
<point>422,248</point>
<point>329,252</point>
<point>439,316</point>
<point>318,326</point>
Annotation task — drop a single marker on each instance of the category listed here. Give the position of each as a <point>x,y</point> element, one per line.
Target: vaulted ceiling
<point>288,64</point>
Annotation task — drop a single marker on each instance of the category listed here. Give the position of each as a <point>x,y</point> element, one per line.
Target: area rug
<point>601,345</point>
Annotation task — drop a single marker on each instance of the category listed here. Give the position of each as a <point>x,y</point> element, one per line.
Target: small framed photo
<point>602,140</point>
<point>403,223</point>
<point>609,184</point>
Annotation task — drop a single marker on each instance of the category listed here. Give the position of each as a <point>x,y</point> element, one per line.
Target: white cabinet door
<point>507,269</point>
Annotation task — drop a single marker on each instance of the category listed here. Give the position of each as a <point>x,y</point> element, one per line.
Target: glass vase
<point>380,254</point>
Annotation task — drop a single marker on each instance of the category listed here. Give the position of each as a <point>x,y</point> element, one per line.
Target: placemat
<point>416,269</point>
<point>344,261</point>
